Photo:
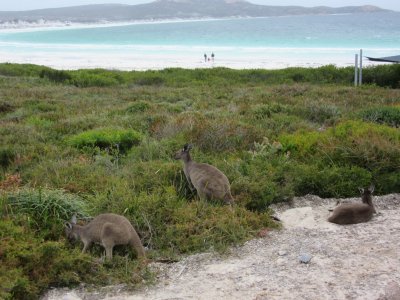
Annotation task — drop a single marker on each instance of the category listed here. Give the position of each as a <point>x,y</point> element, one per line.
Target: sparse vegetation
<point>95,141</point>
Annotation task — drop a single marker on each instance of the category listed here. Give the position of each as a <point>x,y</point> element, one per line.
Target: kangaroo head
<point>70,231</point>
<point>366,194</point>
<point>184,152</point>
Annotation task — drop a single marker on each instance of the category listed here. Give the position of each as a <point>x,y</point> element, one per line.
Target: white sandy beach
<point>139,60</point>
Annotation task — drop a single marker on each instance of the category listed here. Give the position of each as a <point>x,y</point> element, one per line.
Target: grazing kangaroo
<point>352,213</point>
<point>209,182</point>
<point>107,230</point>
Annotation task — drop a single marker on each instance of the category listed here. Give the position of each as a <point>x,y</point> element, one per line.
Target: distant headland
<point>165,10</point>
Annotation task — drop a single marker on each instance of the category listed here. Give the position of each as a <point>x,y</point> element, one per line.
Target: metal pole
<point>360,73</point>
<point>356,70</point>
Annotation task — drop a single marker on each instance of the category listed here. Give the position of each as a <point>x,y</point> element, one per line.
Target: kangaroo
<point>352,213</point>
<point>209,182</point>
<point>107,230</point>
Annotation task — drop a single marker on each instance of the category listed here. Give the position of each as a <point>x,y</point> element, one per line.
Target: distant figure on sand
<point>212,56</point>
<point>205,57</point>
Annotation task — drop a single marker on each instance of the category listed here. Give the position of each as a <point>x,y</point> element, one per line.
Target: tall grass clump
<point>389,115</point>
<point>123,139</point>
<point>47,209</point>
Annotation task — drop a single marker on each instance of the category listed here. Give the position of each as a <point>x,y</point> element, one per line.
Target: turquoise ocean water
<point>248,42</point>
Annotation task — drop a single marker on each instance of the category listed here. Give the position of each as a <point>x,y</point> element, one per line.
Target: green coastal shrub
<point>30,265</point>
<point>344,157</point>
<point>366,145</point>
<point>6,107</point>
<point>383,75</point>
<point>320,113</point>
<point>389,115</point>
<point>171,225</point>
<point>9,69</point>
<point>138,107</point>
<point>334,181</point>
<point>123,139</point>
<point>47,209</point>
<point>302,144</point>
<point>59,76</point>
<point>264,177</point>
<point>150,80</point>
<point>266,110</point>
<point>7,156</point>
<point>95,78</point>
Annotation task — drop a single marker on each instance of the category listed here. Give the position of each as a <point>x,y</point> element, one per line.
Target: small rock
<point>282,253</point>
<point>280,261</point>
<point>305,258</point>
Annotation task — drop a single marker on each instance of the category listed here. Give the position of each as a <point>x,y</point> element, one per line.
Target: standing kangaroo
<point>209,182</point>
<point>107,230</point>
<point>352,213</point>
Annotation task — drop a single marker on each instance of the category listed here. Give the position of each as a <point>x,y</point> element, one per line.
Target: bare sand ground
<point>359,261</point>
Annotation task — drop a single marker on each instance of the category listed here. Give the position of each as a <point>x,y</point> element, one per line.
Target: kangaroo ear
<point>371,188</point>
<point>187,147</point>
<point>73,219</point>
<point>361,190</point>
<point>68,225</point>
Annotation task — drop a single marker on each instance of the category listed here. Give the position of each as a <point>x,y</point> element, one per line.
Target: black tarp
<point>393,59</point>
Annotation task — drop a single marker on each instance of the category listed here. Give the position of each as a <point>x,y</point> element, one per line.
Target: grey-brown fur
<point>352,213</point>
<point>209,182</point>
<point>107,230</point>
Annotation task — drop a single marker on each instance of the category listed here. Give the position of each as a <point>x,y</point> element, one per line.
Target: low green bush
<point>9,69</point>
<point>47,209</point>
<point>138,107</point>
<point>6,107</point>
<point>330,181</point>
<point>30,265</point>
<point>366,145</point>
<point>7,156</point>
<point>55,75</point>
<point>320,113</point>
<point>150,80</point>
<point>95,77</point>
<point>388,76</point>
<point>383,75</point>
<point>173,226</point>
<point>389,115</point>
<point>122,139</point>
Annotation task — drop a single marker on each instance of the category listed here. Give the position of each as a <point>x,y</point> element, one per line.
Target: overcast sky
<point>36,4</point>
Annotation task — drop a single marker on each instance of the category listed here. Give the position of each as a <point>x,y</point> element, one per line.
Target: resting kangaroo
<point>107,230</point>
<point>352,213</point>
<point>209,182</point>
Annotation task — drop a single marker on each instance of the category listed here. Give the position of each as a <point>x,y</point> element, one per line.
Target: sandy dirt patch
<point>359,261</point>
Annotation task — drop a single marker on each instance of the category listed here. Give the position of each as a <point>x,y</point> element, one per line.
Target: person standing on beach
<point>212,56</point>
<point>205,57</point>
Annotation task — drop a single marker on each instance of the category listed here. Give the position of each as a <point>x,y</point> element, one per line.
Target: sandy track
<point>359,261</point>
